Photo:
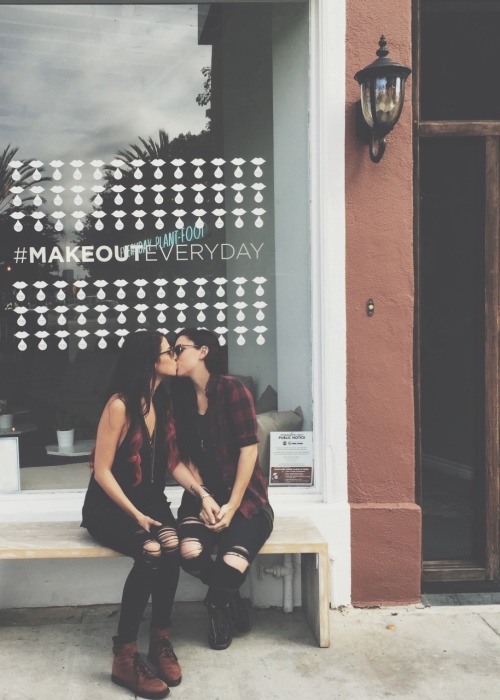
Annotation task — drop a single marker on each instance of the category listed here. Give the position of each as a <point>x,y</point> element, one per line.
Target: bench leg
<point>315,595</point>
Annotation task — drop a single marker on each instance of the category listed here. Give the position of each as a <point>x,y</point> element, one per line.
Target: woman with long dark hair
<point>217,436</point>
<point>125,507</point>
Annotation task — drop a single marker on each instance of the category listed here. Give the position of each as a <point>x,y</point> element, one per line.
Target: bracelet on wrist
<point>207,492</point>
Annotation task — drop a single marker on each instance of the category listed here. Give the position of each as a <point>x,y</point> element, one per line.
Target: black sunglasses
<point>170,352</point>
<point>178,349</point>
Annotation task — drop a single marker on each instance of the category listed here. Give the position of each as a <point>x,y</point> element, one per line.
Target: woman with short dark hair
<point>217,436</point>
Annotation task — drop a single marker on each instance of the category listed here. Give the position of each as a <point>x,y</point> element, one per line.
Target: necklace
<point>199,429</point>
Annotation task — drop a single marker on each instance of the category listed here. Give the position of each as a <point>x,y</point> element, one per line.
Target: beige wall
<point>386,529</point>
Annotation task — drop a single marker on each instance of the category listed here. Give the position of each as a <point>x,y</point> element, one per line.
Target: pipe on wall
<point>285,571</point>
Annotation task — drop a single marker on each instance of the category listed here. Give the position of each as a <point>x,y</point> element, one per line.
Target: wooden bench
<point>67,540</point>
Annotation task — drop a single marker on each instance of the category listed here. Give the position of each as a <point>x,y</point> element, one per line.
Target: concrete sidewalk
<point>449,653</point>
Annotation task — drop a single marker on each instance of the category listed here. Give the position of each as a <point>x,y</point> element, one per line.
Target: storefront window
<point>154,175</point>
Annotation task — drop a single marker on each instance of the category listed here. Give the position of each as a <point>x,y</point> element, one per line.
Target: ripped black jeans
<point>154,574</point>
<point>243,538</point>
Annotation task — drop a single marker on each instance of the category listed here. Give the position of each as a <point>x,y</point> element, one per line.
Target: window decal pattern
<point>137,210</point>
<point>117,307</point>
<point>211,190</point>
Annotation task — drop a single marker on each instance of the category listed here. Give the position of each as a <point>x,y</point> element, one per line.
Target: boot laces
<point>141,668</point>
<point>141,671</point>
<point>166,649</point>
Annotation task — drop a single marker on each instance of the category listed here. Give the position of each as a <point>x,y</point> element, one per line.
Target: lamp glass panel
<point>388,92</point>
<point>366,104</point>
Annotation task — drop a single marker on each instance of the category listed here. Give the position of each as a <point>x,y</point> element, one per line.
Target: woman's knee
<point>168,539</point>
<point>150,554</point>
<point>191,548</point>
<point>237,558</point>
<point>194,559</point>
<point>191,530</point>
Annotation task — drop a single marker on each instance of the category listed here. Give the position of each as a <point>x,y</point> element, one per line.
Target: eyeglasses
<point>170,352</point>
<point>179,349</point>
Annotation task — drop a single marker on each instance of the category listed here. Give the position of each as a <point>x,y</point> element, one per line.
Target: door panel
<point>452,326</point>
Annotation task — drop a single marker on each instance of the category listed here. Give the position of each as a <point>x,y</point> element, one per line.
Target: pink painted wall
<point>386,530</point>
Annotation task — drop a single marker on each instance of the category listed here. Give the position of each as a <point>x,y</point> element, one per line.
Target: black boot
<point>220,629</point>
<point>239,612</point>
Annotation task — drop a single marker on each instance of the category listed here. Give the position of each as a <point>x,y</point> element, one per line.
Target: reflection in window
<point>155,175</point>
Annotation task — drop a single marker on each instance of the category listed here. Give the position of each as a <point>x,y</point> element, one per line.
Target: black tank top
<point>149,491</point>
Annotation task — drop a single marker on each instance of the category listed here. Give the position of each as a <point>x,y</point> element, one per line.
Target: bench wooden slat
<point>291,535</point>
<point>67,540</point>
<point>49,540</point>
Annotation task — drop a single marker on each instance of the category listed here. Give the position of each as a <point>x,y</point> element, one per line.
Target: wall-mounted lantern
<point>382,98</point>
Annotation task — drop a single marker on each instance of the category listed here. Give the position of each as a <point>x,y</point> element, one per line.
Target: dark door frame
<point>467,570</point>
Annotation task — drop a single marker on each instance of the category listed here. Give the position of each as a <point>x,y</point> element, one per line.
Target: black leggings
<point>153,574</point>
<point>243,538</point>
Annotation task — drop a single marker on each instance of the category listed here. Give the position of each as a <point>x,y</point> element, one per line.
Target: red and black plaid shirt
<point>231,416</point>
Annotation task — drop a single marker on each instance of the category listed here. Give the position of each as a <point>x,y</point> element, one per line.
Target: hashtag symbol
<point>20,255</point>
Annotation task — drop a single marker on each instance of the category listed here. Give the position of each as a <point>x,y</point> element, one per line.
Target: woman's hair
<point>135,373</point>
<point>133,382</point>
<point>184,394</point>
<point>213,359</point>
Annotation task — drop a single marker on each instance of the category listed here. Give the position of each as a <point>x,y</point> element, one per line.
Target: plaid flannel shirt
<point>231,416</point>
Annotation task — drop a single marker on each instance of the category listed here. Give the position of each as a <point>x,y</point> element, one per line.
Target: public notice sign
<point>291,458</point>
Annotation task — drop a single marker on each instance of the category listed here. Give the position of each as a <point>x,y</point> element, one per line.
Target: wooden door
<point>457,205</point>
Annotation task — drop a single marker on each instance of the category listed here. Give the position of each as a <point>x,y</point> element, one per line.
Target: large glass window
<point>459,56</point>
<point>154,174</point>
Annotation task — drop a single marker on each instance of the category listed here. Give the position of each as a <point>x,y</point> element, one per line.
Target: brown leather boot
<point>161,653</point>
<point>130,671</point>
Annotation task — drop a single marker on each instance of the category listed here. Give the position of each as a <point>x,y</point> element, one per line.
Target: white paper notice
<point>291,458</point>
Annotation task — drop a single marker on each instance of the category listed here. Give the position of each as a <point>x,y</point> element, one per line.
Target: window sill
<point>66,504</point>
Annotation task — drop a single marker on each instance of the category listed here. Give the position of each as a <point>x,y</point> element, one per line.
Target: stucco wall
<point>379,251</point>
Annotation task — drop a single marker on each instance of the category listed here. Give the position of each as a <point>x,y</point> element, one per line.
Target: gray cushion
<point>272,421</point>
<point>267,401</point>
<point>247,381</point>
